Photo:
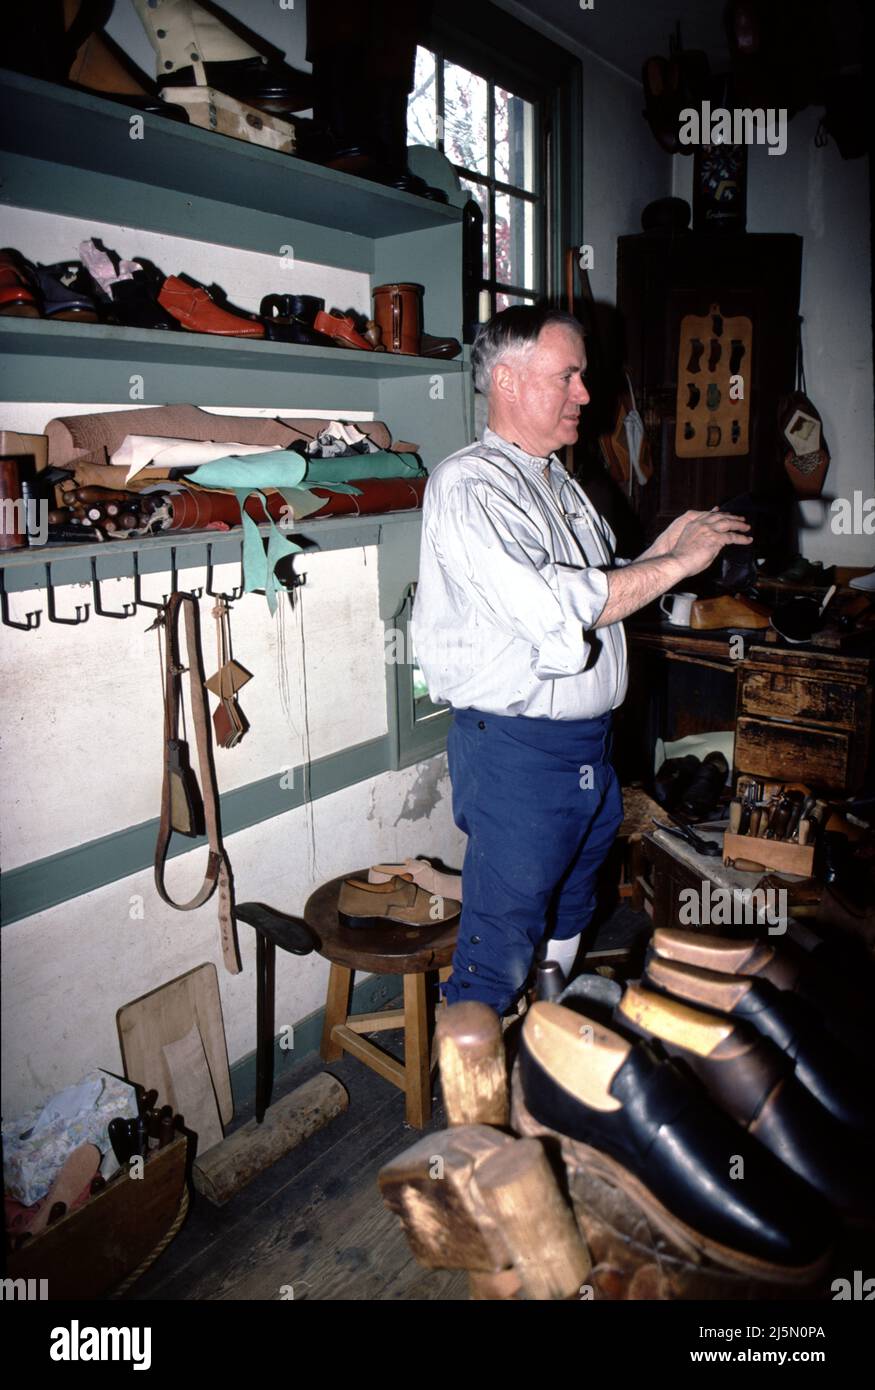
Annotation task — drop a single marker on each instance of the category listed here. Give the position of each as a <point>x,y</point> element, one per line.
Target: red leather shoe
<point>342,328</point>
<point>16,297</point>
<point>194,308</point>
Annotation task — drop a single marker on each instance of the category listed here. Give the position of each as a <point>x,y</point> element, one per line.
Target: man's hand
<point>666,540</point>
<point>702,535</point>
<point>696,538</point>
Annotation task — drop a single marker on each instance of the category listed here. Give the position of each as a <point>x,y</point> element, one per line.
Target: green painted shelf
<point>44,121</point>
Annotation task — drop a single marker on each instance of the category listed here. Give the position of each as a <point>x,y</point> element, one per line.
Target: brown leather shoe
<point>341,327</point>
<point>363,904</point>
<point>194,308</point>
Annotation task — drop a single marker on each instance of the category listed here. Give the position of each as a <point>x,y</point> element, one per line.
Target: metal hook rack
<point>139,601</point>
<point>235,593</point>
<point>50,604</point>
<point>129,609</point>
<point>33,619</point>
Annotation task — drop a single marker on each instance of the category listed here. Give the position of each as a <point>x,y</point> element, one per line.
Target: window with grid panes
<point>493,139</point>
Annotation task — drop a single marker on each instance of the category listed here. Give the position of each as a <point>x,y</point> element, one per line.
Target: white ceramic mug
<point>679,608</point>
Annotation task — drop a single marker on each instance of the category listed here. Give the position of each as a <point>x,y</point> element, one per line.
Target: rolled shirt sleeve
<point>489,551</point>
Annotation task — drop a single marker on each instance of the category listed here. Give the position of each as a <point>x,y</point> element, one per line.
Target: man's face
<point>547,392</point>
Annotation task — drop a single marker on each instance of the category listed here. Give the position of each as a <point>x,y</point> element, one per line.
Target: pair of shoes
<point>753,1081</point>
<point>665,1135</point>
<point>399,901</point>
<point>196,310</point>
<point>827,1070</point>
<point>61,291</point>
<point>422,873</point>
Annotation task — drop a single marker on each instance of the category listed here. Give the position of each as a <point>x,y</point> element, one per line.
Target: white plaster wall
<point>81,711</point>
<point>68,970</point>
<point>825,200</point>
<point>623,168</point>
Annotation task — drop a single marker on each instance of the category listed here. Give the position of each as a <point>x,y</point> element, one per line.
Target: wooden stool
<point>387,949</point>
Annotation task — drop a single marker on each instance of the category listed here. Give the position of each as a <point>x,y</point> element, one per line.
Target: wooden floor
<point>313,1226</point>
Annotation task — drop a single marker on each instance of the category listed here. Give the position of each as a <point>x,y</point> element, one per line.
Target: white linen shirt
<point>511,582</point>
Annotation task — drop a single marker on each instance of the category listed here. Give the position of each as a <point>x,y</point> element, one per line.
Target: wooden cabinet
<point>662,278</point>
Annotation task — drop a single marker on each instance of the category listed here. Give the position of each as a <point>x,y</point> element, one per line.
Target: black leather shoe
<point>753,1081</point>
<point>673,778</point>
<point>827,1070</point>
<point>587,1082</point>
<point>703,793</point>
<point>67,291</point>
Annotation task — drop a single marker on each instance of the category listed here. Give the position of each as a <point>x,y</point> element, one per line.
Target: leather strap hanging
<point>179,793</point>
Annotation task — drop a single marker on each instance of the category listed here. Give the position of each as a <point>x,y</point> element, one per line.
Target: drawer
<point>780,696</point>
<point>792,753</point>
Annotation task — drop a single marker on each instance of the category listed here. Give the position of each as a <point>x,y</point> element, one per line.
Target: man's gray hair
<point>512,333</point>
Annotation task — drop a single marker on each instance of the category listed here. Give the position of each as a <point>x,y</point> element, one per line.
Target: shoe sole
<point>363,923</point>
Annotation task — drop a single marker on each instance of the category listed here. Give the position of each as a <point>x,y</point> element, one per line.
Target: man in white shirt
<point>518,626</point>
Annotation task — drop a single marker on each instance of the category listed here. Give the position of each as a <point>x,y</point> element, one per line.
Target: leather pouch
<point>186,803</point>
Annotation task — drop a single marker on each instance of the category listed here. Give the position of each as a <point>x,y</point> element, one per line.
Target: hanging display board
<point>714,376</point>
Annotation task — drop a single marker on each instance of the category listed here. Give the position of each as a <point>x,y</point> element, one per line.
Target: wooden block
<point>88,1252</point>
<point>472,1064</point>
<point>229,1166</point>
<point>165,1015</point>
<point>431,1187</point>
<point>535,1221</point>
<point>214,110</point>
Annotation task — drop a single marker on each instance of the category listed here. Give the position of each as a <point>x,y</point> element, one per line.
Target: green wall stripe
<point>82,868</point>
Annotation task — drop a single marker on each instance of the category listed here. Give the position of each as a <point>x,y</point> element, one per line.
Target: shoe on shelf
<point>342,328</point>
<point>666,1136</point>
<point>134,302</point>
<point>829,1071</point>
<point>19,294</point>
<point>289,318</point>
<point>196,310</point>
<point>398,901</point>
<point>67,292</point>
<point>421,872</point>
<point>753,1081</point>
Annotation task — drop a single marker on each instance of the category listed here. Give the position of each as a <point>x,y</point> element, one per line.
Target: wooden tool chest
<point>804,714</point>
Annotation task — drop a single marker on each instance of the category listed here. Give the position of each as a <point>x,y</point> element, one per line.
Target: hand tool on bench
<point>710,848</point>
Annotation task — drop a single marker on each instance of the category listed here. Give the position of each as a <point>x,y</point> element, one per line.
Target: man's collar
<point>506,446</point>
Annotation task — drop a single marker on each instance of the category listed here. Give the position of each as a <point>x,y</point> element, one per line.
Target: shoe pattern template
<point>710,420</point>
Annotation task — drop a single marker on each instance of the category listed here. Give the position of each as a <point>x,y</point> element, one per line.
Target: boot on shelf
<point>194,47</point>
<point>64,42</point>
